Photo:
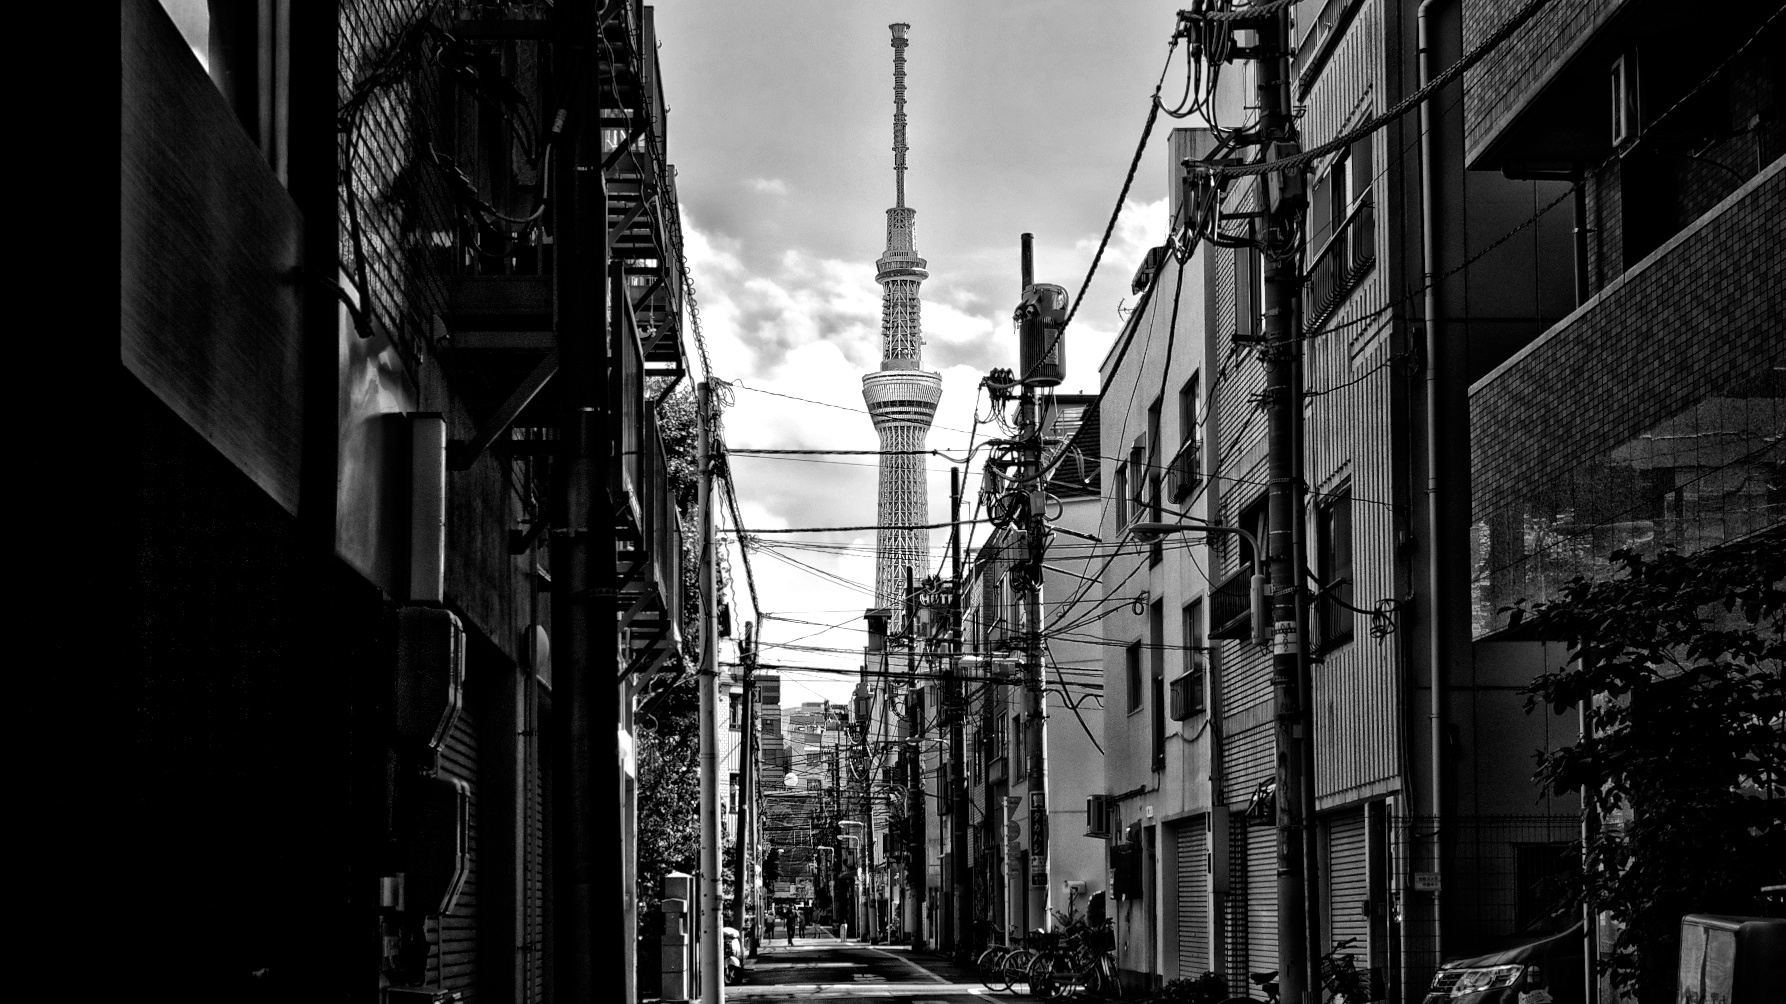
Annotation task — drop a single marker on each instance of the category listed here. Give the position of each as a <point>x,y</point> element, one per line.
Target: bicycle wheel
<point>1051,975</point>
<point>1016,968</point>
<point>1109,983</point>
<point>991,964</point>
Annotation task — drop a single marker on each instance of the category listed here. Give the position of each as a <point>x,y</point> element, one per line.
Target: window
<point>1133,677</point>
<point>1138,477</point>
<point>1254,519</point>
<point>1190,403</point>
<point>1156,467</point>
<point>1333,550</point>
<point>1249,295</point>
<point>1156,643</point>
<point>1119,489</point>
<point>1624,99</point>
<point>1192,701</point>
<point>1185,472</point>
<point>736,700</point>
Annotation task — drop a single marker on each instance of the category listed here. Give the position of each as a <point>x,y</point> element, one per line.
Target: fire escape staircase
<point>500,339</point>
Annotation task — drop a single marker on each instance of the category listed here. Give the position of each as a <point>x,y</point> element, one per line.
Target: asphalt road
<point>826,968</point>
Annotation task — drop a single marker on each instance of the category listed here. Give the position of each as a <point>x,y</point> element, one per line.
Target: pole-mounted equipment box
<point>1041,318</point>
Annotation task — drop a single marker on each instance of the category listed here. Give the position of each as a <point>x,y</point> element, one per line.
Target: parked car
<point>1531,970</point>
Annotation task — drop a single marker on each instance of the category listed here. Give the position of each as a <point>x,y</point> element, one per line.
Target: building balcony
<point>1544,99</point>
<point>1652,416</point>
<point>1336,268</point>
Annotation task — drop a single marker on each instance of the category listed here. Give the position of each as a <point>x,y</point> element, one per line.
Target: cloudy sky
<point>1022,117</point>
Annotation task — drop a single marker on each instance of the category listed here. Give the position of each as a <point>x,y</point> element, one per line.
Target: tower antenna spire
<point>899,44</point>
<point>901,395</point>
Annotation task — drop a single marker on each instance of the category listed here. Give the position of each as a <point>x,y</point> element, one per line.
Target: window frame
<point>1334,570</point>
<point>1190,405</point>
<point>1196,662</point>
<point>1132,677</point>
<point>1156,632</point>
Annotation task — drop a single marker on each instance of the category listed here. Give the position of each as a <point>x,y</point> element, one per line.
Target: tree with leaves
<point>1675,662</point>
<point>668,739</point>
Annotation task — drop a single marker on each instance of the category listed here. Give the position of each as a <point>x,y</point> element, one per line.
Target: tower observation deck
<point>901,396</point>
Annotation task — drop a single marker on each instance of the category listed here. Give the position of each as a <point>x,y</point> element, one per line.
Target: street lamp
<point>1149,531</point>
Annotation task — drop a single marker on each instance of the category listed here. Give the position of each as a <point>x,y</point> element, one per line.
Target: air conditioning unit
<point>1097,816</point>
<point>1185,473</point>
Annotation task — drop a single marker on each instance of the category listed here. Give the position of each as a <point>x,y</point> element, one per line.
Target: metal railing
<point>642,476</point>
<point>1337,266</point>
<point>1184,473</point>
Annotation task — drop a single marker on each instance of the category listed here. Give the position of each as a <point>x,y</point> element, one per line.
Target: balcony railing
<point>1338,265</point>
<point>1184,473</point>
<point>641,479</point>
<point>1231,605</point>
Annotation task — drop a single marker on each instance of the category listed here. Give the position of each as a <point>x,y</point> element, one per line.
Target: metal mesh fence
<point>396,219</point>
<point>441,154</point>
<point>1503,876</point>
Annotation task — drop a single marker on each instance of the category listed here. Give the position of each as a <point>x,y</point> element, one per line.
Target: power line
<point>826,404</point>
<point>1350,136</point>
<point>848,529</point>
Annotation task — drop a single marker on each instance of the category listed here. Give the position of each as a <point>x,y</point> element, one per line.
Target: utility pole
<point>872,920</point>
<point>1035,690</point>
<point>712,985</point>
<point>587,790</point>
<point>956,882</point>
<point>1298,979</point>
<point>913,762</point>
<point>745,889</point>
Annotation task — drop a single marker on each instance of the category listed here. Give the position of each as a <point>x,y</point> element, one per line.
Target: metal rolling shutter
<point>1261,901</point>
<point>1347,883</point>
<point>1234,905</point>
<point>1193,898</point>
<point>454,962</point>
<point>533,866</point>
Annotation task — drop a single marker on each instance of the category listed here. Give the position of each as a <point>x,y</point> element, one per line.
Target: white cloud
<point>808,327</point>
<point>768,186</point>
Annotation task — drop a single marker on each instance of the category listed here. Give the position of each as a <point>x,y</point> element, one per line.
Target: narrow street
<point>826,967</point>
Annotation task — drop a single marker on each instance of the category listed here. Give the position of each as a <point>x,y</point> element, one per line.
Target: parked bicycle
<point>991,963</point>
<point>1340,978</point>
<point>1078,960</point>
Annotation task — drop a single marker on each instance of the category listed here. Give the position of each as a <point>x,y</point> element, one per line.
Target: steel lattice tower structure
<point>901,396</point>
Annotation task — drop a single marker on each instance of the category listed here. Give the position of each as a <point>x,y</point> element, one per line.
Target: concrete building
<point>1011,891</point>
<point>1511,367</point>
<point>354,653</point>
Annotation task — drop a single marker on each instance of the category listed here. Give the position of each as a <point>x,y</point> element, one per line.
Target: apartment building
<point>1027,861</point>
<point>1537,325</point>
<point>354,654</point>
<point>1650,414</point>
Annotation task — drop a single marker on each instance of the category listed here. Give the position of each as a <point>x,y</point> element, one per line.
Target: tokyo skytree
<point>901,396</point>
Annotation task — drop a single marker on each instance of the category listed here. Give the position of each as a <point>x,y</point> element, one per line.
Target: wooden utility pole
<point>1297,981</point>
<point>742,886</point>
<point>712,983</point>
<point>1035,693</point>
<point>956,882</point>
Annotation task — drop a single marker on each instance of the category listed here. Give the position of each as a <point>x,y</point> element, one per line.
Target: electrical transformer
<point>1041,319</point>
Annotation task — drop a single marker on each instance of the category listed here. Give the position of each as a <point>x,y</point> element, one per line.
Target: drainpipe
<point>1430,313</point>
